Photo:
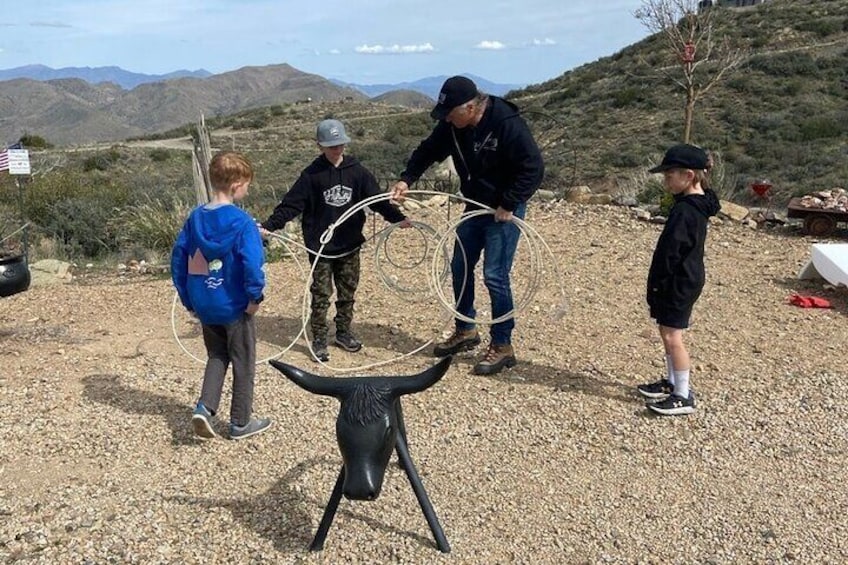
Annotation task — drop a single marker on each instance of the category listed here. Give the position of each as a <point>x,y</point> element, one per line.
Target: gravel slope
<point>555,461</point>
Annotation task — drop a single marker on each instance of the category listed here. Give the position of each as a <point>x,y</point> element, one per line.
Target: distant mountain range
<point>429,86</point>
<point>95,75</point>
<point>73,111</point>
<point>128,80</point>
<point>74,105</point>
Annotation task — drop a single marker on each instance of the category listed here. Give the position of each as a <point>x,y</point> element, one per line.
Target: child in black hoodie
<point>676,276</point>
<point>326,190</point>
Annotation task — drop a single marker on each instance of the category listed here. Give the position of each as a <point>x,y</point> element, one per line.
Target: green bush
<point>75,209</point>
<point>101,161</point>
<point>821,26</point>
<point>159,155</point>
<point>786,64</point>
<point>35,142</point>
<point>81,225</point>
<point>152,224</point>
<point>822,127</point>
<point>629,96</point>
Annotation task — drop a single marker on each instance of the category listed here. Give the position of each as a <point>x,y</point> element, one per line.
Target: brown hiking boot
<point>460,340</point>
<point>496,358</point>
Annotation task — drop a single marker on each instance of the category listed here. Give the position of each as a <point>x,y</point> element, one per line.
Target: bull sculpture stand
<point>369,426</point>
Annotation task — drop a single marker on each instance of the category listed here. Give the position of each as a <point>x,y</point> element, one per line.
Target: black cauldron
<point>14,275</point>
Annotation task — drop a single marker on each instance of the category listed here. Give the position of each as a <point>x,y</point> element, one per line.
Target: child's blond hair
<point>228,168</point>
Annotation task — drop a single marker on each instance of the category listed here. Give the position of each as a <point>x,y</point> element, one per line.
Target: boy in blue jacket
<point>216,266</point>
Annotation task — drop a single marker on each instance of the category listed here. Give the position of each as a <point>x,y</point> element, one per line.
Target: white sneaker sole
<point>682,411</point>
<point>202,427</point>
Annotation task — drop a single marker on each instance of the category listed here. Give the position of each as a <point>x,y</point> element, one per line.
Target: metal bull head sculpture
<point>369,426</point>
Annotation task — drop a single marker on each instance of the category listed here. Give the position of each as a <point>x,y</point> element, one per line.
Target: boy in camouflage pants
<point>326,190</point>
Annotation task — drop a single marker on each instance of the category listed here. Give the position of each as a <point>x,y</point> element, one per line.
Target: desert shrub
<point>561,96</point>
<point>151,224</point>
<point>821,127</point>
<point>35,142</point>
<point>81,225</point>
<point>629,96</point>
<point>786,64</point>
<point>621,158</point>
<point>159,155</point>
<point>821,26</point>
<point>74,209</point>
<point>102,161</point>
<point>651,190</point>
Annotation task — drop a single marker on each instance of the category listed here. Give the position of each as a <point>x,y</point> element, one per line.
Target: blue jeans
<point>497,242</point>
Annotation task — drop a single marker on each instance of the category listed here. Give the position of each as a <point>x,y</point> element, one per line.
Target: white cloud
<point>335,52</point>
<point>490,45</point>
<point>544,42</point>
<point>394,49</point>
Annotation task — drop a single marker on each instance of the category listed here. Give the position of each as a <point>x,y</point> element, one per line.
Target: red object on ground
<point>761,188</point>
<point>808,301</point>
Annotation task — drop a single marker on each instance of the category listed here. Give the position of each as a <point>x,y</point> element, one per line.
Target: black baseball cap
<point>683,156</point>
<point>455,91</point>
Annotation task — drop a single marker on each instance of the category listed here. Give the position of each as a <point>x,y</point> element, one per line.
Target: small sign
<point>19,162</point>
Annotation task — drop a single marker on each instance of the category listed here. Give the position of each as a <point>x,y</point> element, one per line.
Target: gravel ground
<point>554,461</point>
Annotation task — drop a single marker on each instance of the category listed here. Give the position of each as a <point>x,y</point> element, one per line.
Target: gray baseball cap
<point>332,133</point>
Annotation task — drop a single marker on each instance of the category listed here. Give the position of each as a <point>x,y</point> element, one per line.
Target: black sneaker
<point>656,390</point>
<point>348,342</point>
<point>674,405</point>
<point>319,349</point>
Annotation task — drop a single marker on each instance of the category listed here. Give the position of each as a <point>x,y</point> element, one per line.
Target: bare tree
<point>691,34</point>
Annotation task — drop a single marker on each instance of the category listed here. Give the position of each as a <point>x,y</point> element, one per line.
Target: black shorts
<point>672,318</point>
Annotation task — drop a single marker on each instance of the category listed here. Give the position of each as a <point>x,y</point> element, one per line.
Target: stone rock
<point>624,200</point>
<point>733,211</point>
<point>578,194</point>
<point>546,195</point>
<point>50,271</point>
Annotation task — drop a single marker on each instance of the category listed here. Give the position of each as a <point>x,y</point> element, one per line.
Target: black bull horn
<point>369,419</point>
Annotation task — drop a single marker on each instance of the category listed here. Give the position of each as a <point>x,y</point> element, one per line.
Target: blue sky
<point>359,41</point>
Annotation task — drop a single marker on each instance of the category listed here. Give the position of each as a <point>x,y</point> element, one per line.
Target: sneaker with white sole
<point>201,421</point>
<point>674,405</point>
<point>656,390</point>
<point>253,427</point>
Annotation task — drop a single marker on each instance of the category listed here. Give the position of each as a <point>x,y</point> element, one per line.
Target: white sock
<point>669,369</point>
<point>681,383</point>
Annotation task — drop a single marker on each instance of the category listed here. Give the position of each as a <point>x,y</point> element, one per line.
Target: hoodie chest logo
<point>488,144</point>
<point>338,195</point>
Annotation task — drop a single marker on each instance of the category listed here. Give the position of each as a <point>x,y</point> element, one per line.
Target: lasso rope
<point>438,272</point>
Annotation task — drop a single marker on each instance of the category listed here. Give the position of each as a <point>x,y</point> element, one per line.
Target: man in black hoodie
<point>499,166</point>
<point>326,190</point>
<point>676,276</point>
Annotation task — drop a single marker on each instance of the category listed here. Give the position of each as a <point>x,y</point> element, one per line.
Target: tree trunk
<point>688,115</point>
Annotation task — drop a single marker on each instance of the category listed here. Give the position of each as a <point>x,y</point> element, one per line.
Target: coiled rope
<point>439,268</point>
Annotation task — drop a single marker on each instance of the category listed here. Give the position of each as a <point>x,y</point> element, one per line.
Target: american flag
<point>4,156</point>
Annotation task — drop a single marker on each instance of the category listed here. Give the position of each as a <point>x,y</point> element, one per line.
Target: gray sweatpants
<point>233,343</point>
